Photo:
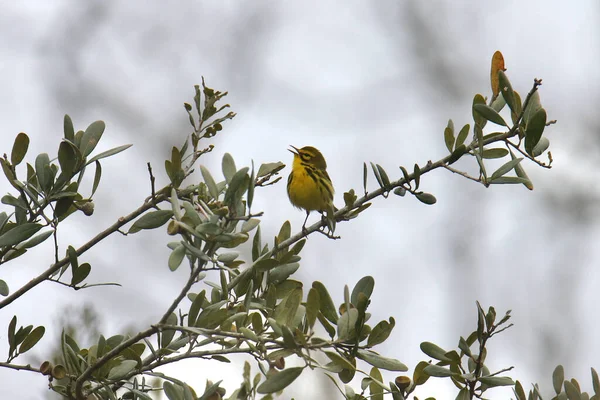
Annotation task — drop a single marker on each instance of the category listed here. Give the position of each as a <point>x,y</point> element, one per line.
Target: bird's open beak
<point>295,151</point>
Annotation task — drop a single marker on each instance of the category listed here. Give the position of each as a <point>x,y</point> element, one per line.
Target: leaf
<point>365,176</point>
<point>43,172</point>
<point>511,180</point>
<point>347,325</point>
<point>237,187</point>
<point>494,153</point>
<point>269,168</point>
<point>377,175</point>
<point>573,392</point>
<point>558,377</point>
<point>108,153</point>
<point>438,371</point>
<point>494,381</point>
<point>505,168</point>
<point>210,182</point>
<point>68,157</point>
<point>176,257</point>
<point>376,360</point>
<point>497,65</point>
<point>434,351</point>
<point>91,137</point>
<point>68,128</point>
<point>32,339</point>
<point>173,392</point>
<point>383,175</point>
<point>533,106</point>
<point>19,233</point>
<point>541,146</point>
<point>374,387</point>
<point>417,175</point>
<point>462,136</point>
<point>4,291</point>
<point>119,371</point>
<point>279,381</point>
<point>339,360</point>
<point>507,92</point>
<point>97,176</point>
<point>312,307</point>
<point>419,377</point>
<point>426,198</point>
<point>381,332</point>
<point>327,308</point>
<point>449,136</point>
<point>80,273</point>
<point>479,120</point>
<point>228,166</point>
<point>463,394</point>
<point>152,220</point>
<point>19,149</point>
<point>595,382</point>
<point>534,130</point>
<point>364,285</point>
<point>489,114</point>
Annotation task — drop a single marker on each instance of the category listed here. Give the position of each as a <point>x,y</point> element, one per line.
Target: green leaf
<point>97,176</point>
<point>489,114</point>
<point>377,175</point>
<point>426,198</point>
<point>312,307</point>
<point>383,175</point>
<point>595,382</point>
<point>210,182</point>
<point>339,360</point>
<point>19,234</point>
<point>19,149</point>
<point>346,325</point>
<point>80,273</point>
<point>119,371</point>
<point>376,360</point>
<point>449,136</point>
<point>43,171</point>
<point>533,106</point>
<point>68,128</point>
<point>479,120</point>
<point>176,257</point>
<point>505,168</point>
<point>533,131</point>
<point>327,308</point>
<point>434,351</point>
<point>494,153</point>
<point>381,332</point>
<point>91,137</point>
<point>152,220</point>
<point>108,153</point>
<point>32,339</point>
<point>4,291</point>
<point>228,166</point>
<point>463,394</point>
<point>494,381</point>
<point>364,285</point>
<point>558,377</point>
<point>34,241</point>
<point>462,136</point>
<point>279,381</point>
<point>365,176</point>
<point>172,392</point>
<point>237,187</point>
<point>375,387</point>
<point>419,376</point>
<point>573,392</point>
<point>511,180</point>
<point>541,146</point>
<point>417,175</point>
<point>438,371</point>
<point>269,168</point>
<point>195,307</point>
<point>507,91</point>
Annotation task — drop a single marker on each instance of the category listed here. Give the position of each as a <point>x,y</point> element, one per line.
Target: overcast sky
<point>361,81</point>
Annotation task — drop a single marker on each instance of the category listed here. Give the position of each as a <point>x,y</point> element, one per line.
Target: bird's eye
<point>305,156</point>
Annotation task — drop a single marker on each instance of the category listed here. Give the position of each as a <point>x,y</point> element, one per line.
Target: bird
<point>309,186</point>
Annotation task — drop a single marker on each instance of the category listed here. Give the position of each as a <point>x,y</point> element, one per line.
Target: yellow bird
<point>309,186</point>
